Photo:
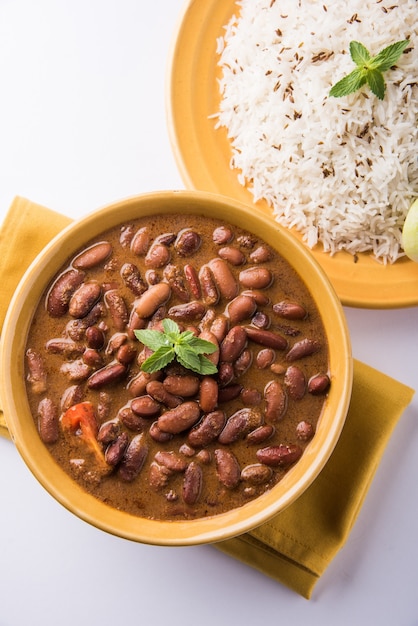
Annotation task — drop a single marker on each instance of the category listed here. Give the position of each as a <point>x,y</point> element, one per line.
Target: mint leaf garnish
<point>171,343</point>
<point>369,69</point>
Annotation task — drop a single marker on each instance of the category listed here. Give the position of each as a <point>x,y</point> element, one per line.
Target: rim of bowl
<point>64,489</point>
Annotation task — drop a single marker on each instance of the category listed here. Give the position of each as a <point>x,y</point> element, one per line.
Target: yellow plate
<point>203,154</point>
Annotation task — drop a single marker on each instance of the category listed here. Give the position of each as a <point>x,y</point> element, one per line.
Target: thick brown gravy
<point>102,418</point>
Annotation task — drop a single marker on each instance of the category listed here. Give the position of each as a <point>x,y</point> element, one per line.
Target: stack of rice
<point>343,171</point>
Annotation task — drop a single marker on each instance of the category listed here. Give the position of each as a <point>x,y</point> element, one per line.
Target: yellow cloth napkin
<point>297,545</point>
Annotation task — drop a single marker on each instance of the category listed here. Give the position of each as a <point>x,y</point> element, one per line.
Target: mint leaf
<point>369,69</point>
<point>187,357</point>
<point>170,343</point>
<point>153,339</point>
<point>376,83</point>
<point>350,83</point>
<point>206,366</point>
<point>388,56</point>
<point>159,359</point>
<point>201,346</point>
<point>359,53</point>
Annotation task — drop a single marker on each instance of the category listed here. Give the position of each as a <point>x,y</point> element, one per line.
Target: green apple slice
<point>410,232</point>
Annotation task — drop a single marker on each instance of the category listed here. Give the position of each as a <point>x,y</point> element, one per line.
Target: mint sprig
<point>369,69</point>
<point>171,344</point>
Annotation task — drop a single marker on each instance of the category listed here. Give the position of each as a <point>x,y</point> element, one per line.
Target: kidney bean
<point>138,384</point>
<point>222,235</point>
<point>304,431</point>
<point>158,476</point>
<point>265,358</point>
<point>208,394</point>
<point>260,320</point>
<point>204,456</point>
<point>239,424</point>
<point>76,329</point>
<point>132,278</point>
<point>140,242</point>
<point>240,308</point>
<point>131,420</point>
<point>65,347</point>
<point>156,390</point>
<point>108,431</point>
<point>187,243</point>
<point>180,418</point>
<point>266,338</point>
<point>276,400</point>
<point>207,429</point>
<point>126,354</point>
<point>126,235</point>
<point>156,295</point>
<point>59,296</point>
<point>187,312</point>
<point>157,256</point>
<point>290,310</point>
<point>117,308</point>
<point>251,396</point>
<point>192,484</point>
<point>171,460</point>
<point>243,362</point>
<point>175,278</point>
<point>116,449</point>
<point>48,426</point>
<point>208,287</point>
<point>228,393</point>
<point>115,342</point>
<point>318,384</point>
<point>107,375</point>
<point>227,468</point>
<point>256,278</point>
<point>192,280</point>
<point>295,382</point>
<point>302,348</point>
<point>134,458</point>
<point>256,474</point>
<point>159,435</point>
<point>279,456</point>
<point>224,278</point>
<point>260,434</point>
<point>184,386</point>
<point>76,371</point>
<point>72,395</point>
<point>233,255</point>
<point>220,327</point>
<point>145,406</point>
<point>37,376</point>
<point>93,358</point>
<point>226,373</point>
<point>95,337</point>
<point>259,297</point>
<point>84,298</point>
<point>93,256</point>
<point>233,344</point>
<point>262,254</point>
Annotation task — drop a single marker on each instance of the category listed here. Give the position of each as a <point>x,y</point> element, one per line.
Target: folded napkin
<point>297,545</point>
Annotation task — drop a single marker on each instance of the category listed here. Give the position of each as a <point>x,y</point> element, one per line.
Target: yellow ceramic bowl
<point>68,492</point>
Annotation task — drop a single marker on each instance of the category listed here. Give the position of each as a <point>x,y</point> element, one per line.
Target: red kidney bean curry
<point>177,444</point>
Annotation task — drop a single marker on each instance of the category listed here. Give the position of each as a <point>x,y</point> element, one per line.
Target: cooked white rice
<point>343,171</point>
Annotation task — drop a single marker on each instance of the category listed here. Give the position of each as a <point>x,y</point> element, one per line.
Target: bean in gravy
<point>175,444</point>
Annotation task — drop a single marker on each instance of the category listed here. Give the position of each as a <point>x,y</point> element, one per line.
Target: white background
<point>82,124</point>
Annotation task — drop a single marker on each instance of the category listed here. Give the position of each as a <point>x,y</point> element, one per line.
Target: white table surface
<point>82,123</point>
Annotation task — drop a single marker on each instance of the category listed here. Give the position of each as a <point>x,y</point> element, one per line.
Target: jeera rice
<point>342,171</point>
